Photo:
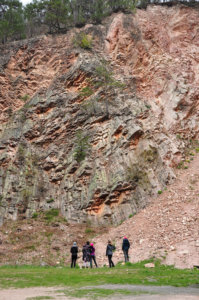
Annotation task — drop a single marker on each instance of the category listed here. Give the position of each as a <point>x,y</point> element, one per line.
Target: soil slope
<point>168,228</point>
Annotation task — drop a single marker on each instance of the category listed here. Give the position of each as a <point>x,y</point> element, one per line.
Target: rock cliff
<point>129,154</point>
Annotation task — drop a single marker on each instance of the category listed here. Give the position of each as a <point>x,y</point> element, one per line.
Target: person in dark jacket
<point>125,248</point>
<point>86,254</point>
<point>109,252</point>
<point>92,255</point>
<point>74,251</point>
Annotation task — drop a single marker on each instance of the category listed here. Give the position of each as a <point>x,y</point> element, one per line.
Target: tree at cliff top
<point>95,10</point>
<point>57,14</point>
<point>11,20</point>
<point>84,11</point>
<point>34,16</point>
<point>99,11</point>
<point>122,5</point>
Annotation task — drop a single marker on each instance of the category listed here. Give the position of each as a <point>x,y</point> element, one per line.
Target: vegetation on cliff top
<point>42,16</point>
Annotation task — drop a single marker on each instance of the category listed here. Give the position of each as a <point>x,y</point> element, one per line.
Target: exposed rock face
<point>131,153</point>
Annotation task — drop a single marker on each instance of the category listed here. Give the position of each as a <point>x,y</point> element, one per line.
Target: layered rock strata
<point>129,155</point>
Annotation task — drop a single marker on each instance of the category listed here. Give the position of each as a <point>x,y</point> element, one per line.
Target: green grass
<point>51,214</point>
<point>93,293</point>
<point>32,276</point>
<point>89,230</point>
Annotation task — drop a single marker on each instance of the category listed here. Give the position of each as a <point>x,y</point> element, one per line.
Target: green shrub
<point>35,215</point>
<point>159,192</point>
<point>81,146</point>
<point>51,214</point>
<point>197,150</point>
<point>25,97</point>
<point>89,230</point>
<point>104,78</point>
<point>83,40</point>
<point>132,215</point>
<point>86,92</point>
<point>148,106</point>
<point>50,200</point>
<point>180,165</point>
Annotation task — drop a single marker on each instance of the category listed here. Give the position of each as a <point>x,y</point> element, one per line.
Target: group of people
<point>88,253</point>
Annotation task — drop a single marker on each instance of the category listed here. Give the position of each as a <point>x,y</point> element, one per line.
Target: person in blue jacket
<point>125,248</point>
<point>74,251</point>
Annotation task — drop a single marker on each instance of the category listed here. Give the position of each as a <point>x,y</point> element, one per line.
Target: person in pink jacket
<point>92,255</point>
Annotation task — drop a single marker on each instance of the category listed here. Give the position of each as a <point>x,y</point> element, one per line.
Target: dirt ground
<point>155,293</point>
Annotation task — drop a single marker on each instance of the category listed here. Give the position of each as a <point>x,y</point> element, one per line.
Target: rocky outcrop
<point>129,154</point>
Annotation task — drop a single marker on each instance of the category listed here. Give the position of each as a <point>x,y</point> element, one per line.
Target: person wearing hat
<point>74,251</point>
<point>125,248</point>
<point>92,256</point>
<point>109,252</point>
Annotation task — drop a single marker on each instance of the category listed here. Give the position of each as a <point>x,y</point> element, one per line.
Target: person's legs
<point>110,260</point>
<point>95,261</point>
<point>91,265</point>
<point>125,255</point>
<point>74,261</point>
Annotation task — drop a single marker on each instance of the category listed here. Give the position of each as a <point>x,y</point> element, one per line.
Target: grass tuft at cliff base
<point>33,276</point>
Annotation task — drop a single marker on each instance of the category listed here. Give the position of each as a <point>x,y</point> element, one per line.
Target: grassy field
<point>34,276</point>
